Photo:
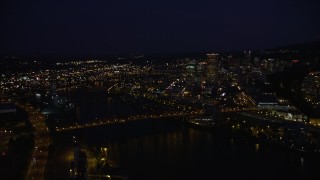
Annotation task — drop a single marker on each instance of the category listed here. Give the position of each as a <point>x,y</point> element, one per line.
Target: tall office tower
<point>212,67</point>
<point>247,58</point>
<point>191,68</point>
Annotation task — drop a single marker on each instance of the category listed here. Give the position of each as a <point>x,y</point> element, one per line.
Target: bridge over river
<point>109,121</point>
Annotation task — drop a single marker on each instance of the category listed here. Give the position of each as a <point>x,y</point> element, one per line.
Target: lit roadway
<point>42,141</point>
<point>238,109</point>
<point>314,127</point>
<point>102,122</point>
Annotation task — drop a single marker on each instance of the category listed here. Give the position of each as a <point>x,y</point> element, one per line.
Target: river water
<point>172,149</point>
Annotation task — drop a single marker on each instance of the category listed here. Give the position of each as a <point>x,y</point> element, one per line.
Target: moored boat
<point>202,121</point>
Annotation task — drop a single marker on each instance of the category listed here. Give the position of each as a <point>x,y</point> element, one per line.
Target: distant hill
<point>309,46</point>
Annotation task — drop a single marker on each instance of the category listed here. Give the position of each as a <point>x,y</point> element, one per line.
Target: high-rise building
<point>212,67</point>
<point>247,58</point>
<point>191,67</point>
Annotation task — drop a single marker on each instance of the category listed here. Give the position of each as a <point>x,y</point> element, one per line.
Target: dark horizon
<point>155,54</point>
<point>83,28</point>
<point>312,45</point>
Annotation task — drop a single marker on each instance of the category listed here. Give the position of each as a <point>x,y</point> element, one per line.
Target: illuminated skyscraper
<point>212,67</point>
<point>191,67</point>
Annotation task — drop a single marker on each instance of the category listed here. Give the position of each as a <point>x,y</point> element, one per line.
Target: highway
<point>36,169</point>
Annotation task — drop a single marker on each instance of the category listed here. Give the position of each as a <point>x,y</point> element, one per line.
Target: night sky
<point>99,27</point>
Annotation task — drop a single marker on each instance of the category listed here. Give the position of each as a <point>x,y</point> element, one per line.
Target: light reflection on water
<point>184,152</point>
<point>257,146</point>
<point>158,149</point>
<point>302,162</point>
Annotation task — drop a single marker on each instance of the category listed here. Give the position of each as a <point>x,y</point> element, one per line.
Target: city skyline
<point>119,89</point>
